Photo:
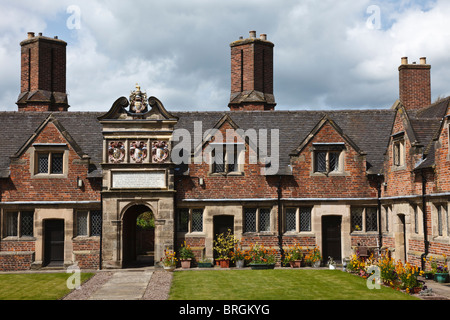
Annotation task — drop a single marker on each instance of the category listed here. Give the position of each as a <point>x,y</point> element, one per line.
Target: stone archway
<point>137,243</point>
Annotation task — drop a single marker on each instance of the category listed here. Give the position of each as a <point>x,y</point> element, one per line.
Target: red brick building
<point>74,184</point>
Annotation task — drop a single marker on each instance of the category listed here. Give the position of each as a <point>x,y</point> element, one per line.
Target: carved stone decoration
<point>138,101</point>
<point>138,151</point>
<point>116,151</point>
<point>160,151</point>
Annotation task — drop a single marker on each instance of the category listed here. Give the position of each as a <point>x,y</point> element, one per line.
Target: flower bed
<point>395,274</point>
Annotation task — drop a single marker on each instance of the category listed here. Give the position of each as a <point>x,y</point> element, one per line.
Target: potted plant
<point>169,260</point>
<point>186,255</point>
<point>262,258</point>
<point>441,274</point>
<point>293,256</point>
<point>238,256</point>
<point>205,263</point>
<point>224,245</point>
<point>314,257</point>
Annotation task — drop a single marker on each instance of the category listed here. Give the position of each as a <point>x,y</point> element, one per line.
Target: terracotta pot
<point>186,264</point>
<point>224,263</point>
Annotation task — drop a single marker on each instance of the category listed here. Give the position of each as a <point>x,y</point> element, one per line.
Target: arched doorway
<point>138,237</point>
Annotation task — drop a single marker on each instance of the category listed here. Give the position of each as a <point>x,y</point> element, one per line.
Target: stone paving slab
<point>124,285</point>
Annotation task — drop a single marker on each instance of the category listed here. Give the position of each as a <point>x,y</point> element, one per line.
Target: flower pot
<point>223,263</point>
<point>240,263</point>
<point>296,263</point>
<point>169,268</point>
<point>262,266</point>
<point>316,264</point>
<point>441,277</point>
<point>204,265</point>
<point>186,264</point>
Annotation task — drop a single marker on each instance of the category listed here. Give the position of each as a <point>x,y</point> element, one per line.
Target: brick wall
<point>303,184</point>
<point>16,261</point>
<point>22,186</point>
<point>415,85</point>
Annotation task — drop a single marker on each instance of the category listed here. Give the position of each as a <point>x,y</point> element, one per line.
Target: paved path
<point>124,285</point>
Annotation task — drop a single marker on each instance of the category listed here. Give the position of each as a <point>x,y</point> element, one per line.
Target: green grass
<point>36,286</point>
<point>278,284</point>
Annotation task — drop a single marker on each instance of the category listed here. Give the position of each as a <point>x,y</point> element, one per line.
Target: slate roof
<point>368,129</point>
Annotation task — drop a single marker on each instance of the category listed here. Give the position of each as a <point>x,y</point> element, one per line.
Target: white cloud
<point>325,56</point>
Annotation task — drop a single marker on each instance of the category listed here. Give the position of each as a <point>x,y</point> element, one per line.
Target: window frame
<point>238,149</point>
<point>190,224</point>
<point>398,151</point>
<point>258,224</point>
<point>19,232</point>
<point>51,150</point>
<point>364,219</point>
<point>298,220</point>
<point>89,223</point>
<point>337,148</point>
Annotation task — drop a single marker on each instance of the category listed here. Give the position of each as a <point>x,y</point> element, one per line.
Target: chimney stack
<point>43,74</point>
<point>415,84</point>
<point>252,74</point>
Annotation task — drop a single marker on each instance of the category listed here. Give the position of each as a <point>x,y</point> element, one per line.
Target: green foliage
<point>146,221</point>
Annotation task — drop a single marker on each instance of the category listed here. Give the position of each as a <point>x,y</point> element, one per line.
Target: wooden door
<point>331,238</point>
<point>54,242</point>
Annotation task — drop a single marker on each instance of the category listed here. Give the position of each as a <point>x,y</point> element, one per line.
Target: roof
<point>368,129</point>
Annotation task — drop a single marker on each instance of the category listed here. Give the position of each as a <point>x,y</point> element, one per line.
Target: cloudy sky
<point>328,54</point>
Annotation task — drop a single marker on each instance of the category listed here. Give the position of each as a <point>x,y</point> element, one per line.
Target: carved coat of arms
<point>138,151</point>
<point>138,101</point>
<point>116,151</point>
<point>160,151</point>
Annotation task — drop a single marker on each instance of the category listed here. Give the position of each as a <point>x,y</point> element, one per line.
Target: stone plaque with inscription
<point>138,180</point>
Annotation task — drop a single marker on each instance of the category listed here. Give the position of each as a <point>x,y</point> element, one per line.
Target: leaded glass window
<point>439,219</point>
<point>305,219</point>
<point>12,224</point>
<point>321,162</point>
<point>371,219</point>
<point>26,223</point>
<point>82,223</point>
<point>96,223</point>
<point>42,163</point>
<point>416,220</point>
<point>183,220</point>
<point>264,220</point>
<point>197,220</point>
<point>250,219</point>
<point>291,219</point>
<point>57,163</point>
<point>357,219</point>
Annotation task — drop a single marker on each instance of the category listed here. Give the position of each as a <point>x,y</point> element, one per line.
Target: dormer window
<point>328,157</point>
<point>49,159</point>
<point>398,149</point>
<point>225,158</point>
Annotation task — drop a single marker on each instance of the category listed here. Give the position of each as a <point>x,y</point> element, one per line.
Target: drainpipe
<point>380,233</point>
<point>424,215</point>
<point>101,232</point>
<point>280,227</point>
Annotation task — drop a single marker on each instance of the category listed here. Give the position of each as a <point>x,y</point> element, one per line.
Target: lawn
<point>36,286</point>
<point>278,284</point>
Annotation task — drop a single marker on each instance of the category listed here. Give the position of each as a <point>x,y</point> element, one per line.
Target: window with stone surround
<point>328,158</point>
<point>440,220</point>
<point>364,219</point>
<point>300,214</point>
<point>190,220</point>
<point>398,150</point>
<point>225,158</point>
<point>257,220</point>
<point>88,223</point>
<point>19,224</point>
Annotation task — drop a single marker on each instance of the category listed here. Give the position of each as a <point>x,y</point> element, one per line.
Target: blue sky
<point>326,54</point>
